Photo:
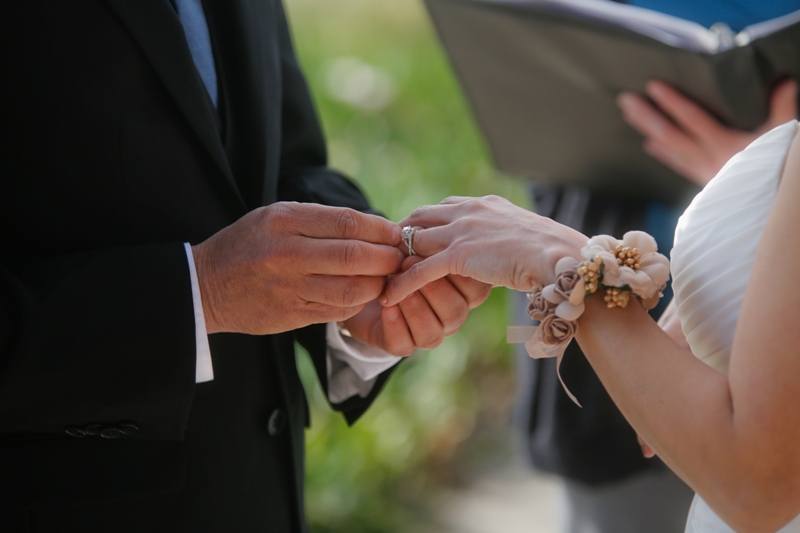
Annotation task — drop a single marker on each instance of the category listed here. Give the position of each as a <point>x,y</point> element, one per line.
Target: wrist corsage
<point>617,269</point>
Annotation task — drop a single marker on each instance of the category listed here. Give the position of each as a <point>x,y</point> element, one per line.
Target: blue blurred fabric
<point>737,14</point>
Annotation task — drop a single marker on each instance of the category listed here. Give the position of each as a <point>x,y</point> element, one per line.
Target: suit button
<point>112,432</point>
<point>74,431</point>
<point>128,428</point>
<point>277,421</point>
<point>92,430</point>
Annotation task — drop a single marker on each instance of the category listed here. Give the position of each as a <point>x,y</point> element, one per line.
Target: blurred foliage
<point>396,121</point>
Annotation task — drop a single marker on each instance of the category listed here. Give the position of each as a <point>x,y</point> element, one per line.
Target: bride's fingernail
<point>384,300</point>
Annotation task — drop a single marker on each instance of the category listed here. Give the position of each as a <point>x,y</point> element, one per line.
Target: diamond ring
<point>408,238</point>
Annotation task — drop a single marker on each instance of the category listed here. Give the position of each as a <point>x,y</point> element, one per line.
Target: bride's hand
<point>488,239</point>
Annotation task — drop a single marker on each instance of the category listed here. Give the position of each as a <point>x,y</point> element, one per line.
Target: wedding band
<point>408,238</point>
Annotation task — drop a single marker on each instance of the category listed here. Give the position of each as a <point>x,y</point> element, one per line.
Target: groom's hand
<point>423,319</point>
<point>289,265</point>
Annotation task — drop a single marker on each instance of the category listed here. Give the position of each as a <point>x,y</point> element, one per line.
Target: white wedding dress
<point>715,246</point>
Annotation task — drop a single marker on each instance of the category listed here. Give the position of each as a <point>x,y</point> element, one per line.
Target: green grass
<point>396,121</point>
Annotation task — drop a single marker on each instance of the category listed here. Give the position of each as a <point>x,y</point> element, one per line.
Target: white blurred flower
<point>359,84</point>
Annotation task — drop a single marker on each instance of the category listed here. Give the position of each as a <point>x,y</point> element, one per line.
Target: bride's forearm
<point>679,405</point>
<point>732,438</point>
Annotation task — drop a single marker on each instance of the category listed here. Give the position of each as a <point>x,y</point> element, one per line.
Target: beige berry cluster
<point>616,297</point>
<point>628,256</point>
<point>590,272</point>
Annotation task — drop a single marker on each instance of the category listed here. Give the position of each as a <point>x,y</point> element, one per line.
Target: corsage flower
<point>633,262</point>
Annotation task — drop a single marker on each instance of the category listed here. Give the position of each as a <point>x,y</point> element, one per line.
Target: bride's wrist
<point>568,244</point>
<point>590,274</point>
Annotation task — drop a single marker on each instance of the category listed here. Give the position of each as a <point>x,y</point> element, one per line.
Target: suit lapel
<point>248,66</point>
<point>157,30</point>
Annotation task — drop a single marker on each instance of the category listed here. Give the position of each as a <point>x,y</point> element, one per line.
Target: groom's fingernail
<point>384,300</point>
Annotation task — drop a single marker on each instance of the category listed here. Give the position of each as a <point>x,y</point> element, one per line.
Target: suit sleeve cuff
<point>204,370</point>
<point>353,366</point>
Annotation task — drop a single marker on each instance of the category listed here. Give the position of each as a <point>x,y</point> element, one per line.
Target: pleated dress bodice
<point>712,259</point>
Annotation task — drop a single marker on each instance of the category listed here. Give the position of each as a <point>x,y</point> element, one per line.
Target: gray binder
<point>542,77</point>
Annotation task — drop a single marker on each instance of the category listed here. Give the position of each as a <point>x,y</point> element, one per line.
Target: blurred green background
<point>396,121</point>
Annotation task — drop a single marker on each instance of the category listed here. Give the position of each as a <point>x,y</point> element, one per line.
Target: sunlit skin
<point>731,438</point>
<point>288,265</point>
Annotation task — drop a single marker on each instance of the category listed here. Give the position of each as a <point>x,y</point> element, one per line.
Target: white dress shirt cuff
<point>203,370</point>
<point>353,366</point>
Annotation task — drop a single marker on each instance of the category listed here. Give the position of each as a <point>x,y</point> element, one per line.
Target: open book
<point>542,77</point>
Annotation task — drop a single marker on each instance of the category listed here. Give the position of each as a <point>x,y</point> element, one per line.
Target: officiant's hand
<point>488,239</point>
<point>423,319</point>
<point>289,265</point>
<point>687,138</point>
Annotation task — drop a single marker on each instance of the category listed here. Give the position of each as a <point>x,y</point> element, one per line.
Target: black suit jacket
<point>117,157</point>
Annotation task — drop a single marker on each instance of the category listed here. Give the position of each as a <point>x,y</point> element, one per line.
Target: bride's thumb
<point>418,275</point>
<point>410,261</point>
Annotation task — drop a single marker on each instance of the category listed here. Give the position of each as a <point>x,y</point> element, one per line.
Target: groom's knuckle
<point>399,347</point>
<point>346,223</point>
<point>450,327</point>
<point>460,314</point>
<point>481,295</point>
<point>340,314</point>
<point>431,338</point>
<point>308,312</point>
<point>278,214</point>
<point>348,295</point>
<point>264,218</point>
<point>349,253</point>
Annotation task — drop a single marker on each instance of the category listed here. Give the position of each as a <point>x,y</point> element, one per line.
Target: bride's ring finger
<point>426,242</point>
<point>433,215</point>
